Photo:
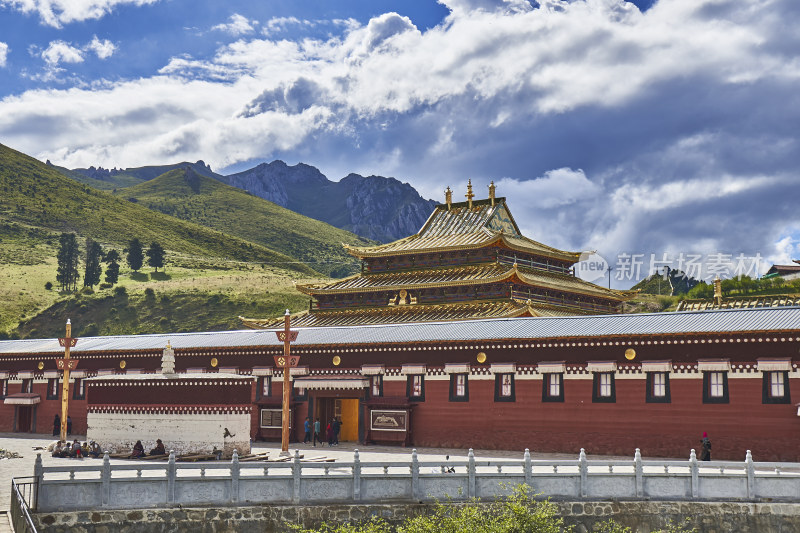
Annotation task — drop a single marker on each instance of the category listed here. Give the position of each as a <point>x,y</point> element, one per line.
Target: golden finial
<point>717,290</point>
<point>469,194</point>
<point>448,197</point>
<point>491,192</point>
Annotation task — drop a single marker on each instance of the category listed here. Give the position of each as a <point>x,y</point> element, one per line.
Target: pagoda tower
<point>469,261</point>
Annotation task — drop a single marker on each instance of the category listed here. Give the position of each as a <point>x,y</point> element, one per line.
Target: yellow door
<point>349,417</point>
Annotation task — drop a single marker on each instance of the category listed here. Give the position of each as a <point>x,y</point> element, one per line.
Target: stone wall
<point>643,517</point>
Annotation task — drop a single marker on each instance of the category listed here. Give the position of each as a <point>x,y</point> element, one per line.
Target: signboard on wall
<point>388,420</point>
<point>272,418</point>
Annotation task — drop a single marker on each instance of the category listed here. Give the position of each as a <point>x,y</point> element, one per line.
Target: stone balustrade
<point>138,485</point>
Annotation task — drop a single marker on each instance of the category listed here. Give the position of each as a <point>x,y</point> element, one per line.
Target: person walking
<point>69,425</point>
<point>56,425</point>
<point>329,433</point>
<point>337,427</point>
<point>317,435</point>
<point>307,428</point>
<point>705,442</point>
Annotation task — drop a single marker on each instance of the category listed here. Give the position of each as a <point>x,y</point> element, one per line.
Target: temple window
<point>603,390</point>
<point>459,388</point>
<point>776,387</point>
<point>52,389</point>
<point>264,387</point>
<point>553,387</point>
<point>301,393</point>
<point>3,388</point>
<point>79,392</point>
<point>27,385</point>
<point>415,387</point>
<point>658,387</point>
<point>504,388</point>
<point>715,387</point>
<point>376,385</point>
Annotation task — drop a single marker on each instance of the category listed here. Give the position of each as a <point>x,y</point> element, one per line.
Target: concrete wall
<point>183,433</point>
<point>641,516</point>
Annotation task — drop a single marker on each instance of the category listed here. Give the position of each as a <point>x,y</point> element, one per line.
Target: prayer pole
<point>66,364</point>
<point>286,362</point>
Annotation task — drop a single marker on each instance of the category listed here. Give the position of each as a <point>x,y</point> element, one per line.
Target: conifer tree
<point>155,256</point>
<point>68,255</point>
<point>91,276</point>
<point>135,255</point>
<point>112,270</point>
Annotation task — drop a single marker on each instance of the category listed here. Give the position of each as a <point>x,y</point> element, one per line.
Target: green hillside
<point>108,180</point>
<point>185,194</point>
<point>35,195</point>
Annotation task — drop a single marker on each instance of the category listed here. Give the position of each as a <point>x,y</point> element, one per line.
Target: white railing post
<point>584,470</point>
<point>751,475</point>
<point>235,471</point>
<point>356,476</point>
<point>528,473</point>
<point>105,476</point>
<point>695,473</point>
<point>414,475</point>
<point>172,473</point>
<point>637,464</point>
<point>471,471</point>
<point>296,475</point>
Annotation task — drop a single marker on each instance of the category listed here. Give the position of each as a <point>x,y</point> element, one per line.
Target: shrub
<point>106,285</point>
<point>48,286</point>
<point>120,291</point>
<point>149,295</point>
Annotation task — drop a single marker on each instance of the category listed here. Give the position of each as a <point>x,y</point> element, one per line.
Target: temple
<point>469,261</point>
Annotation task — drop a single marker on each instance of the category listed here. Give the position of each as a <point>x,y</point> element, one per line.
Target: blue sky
<point>648,128</point>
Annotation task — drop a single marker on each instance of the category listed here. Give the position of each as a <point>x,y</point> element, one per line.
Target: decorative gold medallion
<point>481,357</point>
<point>630,354</point>
<point>123,364</point>
<point>40,365</point>
<point>214,362</point>
<point>336,360</point>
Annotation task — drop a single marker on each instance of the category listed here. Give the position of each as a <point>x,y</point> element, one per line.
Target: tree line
<point>69,256</point>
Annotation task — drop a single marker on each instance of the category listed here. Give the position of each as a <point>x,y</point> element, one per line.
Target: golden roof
<point>410,313</point>
<point>463,228</point>
<point>746,302</point>
<point>461,276</point>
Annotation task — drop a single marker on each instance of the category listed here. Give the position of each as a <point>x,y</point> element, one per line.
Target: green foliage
<point>93,269</point>
<point>155,256</point>
<point>112,274</point>
<point>135,257</point>
<point>67,270</point>
<point>48,286</point>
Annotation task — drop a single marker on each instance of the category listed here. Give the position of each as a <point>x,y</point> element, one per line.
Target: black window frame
<point>27,385</point>
<point>453,380</point>
<point>50,383</point>
<point>3,388</point>
<point>298,396</point>
<point>78,385</point>
<point>707,398</point>
<point>409,388</point>
<point>498,388</point>
<point>546,396</point>
<point>260,387</point>
<point>652,398</point>
<point>596,398</point>
<point>766,393</point>
<point>379,377</point>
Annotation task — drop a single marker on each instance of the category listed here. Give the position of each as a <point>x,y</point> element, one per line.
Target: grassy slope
<point>33,194</point>
<point>187,195</point>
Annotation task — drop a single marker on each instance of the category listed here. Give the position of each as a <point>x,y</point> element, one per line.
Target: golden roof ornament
<point>717,290</point>
<point>491,193</point>
<point>469,194</point>
<point>448,197</point>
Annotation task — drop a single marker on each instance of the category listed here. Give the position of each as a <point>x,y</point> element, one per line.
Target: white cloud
<point>3,54</point>
<point>556,188</point>
<point>238,25</point>
<point>61,52</point>
<point>56,13</point>
<point>104,49</point>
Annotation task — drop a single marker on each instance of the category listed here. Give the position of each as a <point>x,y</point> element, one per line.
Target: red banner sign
<point>72,363</point>
<point>281,361</point>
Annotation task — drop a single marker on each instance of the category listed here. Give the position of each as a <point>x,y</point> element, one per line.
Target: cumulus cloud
<point>3,54</point>
<point>104,49</point>
<point>238,25</point>
<point>56,13</point>
<point>607,128</point>
<point>61,52</point>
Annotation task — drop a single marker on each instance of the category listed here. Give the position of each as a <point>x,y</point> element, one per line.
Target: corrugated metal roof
<point>723,321</point>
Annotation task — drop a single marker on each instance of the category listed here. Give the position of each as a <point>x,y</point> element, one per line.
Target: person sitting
<point>138,450</point>
<point>66,450</point>
<point>159,449</point>
<point>57,450</point>
<point>95,450</point>
<point>76,449</point>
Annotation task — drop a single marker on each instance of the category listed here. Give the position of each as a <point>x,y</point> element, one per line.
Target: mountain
<point>36,196</point>
<point>108,179</point>
<point>675,282</point>
<point>378,208</point>
<point>188,195</point>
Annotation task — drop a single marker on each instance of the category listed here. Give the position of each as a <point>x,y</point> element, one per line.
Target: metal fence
<point>145,484</point>
<point>24,496</point>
